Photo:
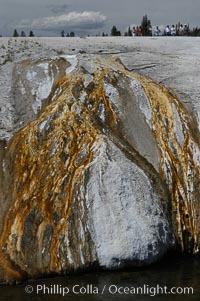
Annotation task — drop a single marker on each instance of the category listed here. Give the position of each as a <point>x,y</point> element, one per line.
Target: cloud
<point>58,9</point>
<point>75,20</point>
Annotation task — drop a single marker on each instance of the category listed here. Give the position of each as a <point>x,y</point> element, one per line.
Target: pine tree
<point>146,26</point>
<point>23,34</point>
<point>72,34</point>
<point>15,33</point>
<point>62,33</point>
<point>129,32</point>
<point>115,32</point>
<point>31,34</point>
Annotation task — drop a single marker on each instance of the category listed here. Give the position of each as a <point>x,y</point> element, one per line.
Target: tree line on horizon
<point>22,34</point>
<point>145,26</point>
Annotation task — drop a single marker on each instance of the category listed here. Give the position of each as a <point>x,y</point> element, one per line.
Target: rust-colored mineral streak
<point>47,160</point>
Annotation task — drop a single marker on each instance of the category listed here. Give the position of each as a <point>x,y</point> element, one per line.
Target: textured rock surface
<point>124,231</point>
<point>99,165</point>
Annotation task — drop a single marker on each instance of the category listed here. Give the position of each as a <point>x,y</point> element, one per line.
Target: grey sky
<point>48,17</point>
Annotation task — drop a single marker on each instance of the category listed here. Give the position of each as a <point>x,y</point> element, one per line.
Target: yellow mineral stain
<point>183,170</point>
<point>177,158</point>
<point>45,153</point>
<point>49,163</point>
